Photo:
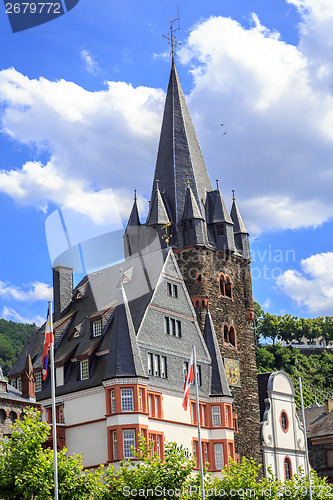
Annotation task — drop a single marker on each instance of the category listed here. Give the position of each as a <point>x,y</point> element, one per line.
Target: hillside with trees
<point>316,370</point>
<point>12,339</point>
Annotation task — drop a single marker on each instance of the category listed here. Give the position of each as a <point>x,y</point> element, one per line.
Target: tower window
<point>228,287</point>
<point>232,336</point>
<point>226,334</point>
<point>113,401</point>
<point>220,229</point>
<point>216,416</point>
<point>222,284</point>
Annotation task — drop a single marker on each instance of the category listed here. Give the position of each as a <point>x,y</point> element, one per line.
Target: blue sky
<point>81,101</point>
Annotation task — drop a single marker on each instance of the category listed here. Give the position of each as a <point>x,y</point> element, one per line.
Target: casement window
<point>185,368</point>
<point>216,416</point>
<point>113,401</point>
<point>140,400</point>
<point>157,365</point>
<point>155,405</point>
<point>229,336</point>
<point>228,287</point>
<point>172,327</point>
<point>127,403</point>
<point>169,288</point>
<point>202,409</point>
<point>97,328</point>
<point>38,381</point>
<point>157,372</point>
<point>199,375</point>
<point>84,369</point>
<point>150,363</point>
<point>59,376</point>
<point>166,325</point>
<point>218,454</point>
<point>227,416</point>
<point>158,446</point>
<point>175,291</point>
<point>114,445</point>
<point>19,384</point>
<point>205,453</point>
<point>60,415</point>
<point>230,450</point>
<point>163,367</point>
<point>287,468</point>
<point>128,443</point>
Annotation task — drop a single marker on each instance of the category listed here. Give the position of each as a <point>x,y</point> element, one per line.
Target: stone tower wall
<point>237,312</point>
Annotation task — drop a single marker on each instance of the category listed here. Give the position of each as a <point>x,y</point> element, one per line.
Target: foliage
<point>26,469</point>
<point>13,336</point>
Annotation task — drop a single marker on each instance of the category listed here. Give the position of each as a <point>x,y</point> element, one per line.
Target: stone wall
<point>237,312</point>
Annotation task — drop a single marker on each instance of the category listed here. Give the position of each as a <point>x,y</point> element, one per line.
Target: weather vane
<point>171,36</point>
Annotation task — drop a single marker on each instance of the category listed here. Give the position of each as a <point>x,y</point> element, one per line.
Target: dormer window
<point>84,369</point>
<point>38,381</point>
<point>97,328</point>
<point>76,334</point>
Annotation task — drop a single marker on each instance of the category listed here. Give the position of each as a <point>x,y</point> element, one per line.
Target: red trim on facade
<point>88,422</point>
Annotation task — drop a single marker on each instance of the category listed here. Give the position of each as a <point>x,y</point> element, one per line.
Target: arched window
<point>199,278</point>
<point>232,336</point>
<point>12,416</point>
<point>287,468</point>
<point>22,416</point>
<point>228,287</point>
<point>226,334</point>
<point>197,303</point>
<point>222,284</point>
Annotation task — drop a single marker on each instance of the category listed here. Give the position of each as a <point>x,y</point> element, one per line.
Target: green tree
<point>26,469</point>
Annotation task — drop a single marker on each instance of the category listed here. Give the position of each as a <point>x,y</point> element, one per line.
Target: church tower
<point>212,249</point>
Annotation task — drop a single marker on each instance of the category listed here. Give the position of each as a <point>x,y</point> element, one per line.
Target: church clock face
<point>232,371</point>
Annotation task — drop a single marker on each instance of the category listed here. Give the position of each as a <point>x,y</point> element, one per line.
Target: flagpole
<point>198,419</point>
<point>54,418</point>
<point>305,438</point>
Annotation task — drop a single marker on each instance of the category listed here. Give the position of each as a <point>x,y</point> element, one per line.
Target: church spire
<point>179,153</point>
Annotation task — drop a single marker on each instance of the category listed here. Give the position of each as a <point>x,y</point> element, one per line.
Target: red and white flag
<point>48,339</point>
<point>189,378</point>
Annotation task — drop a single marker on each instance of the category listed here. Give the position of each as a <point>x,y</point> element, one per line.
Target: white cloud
<point>90,64</point>
<point>12,315</point>
<point>267,304</point>
<point>275,99</point>
<point>313,287</point>
<point>30,292</point>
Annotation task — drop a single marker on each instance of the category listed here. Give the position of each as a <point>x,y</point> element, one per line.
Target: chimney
<point>28,380</point>
<point>328,406</point>
<point>62,289</point>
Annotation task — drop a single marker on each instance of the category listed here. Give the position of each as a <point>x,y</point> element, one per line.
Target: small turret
<point>220,225</point>
<point>132,236</point>
<point>240,233</point>
<point>193,221</point>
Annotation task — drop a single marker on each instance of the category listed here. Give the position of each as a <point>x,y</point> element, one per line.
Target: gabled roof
<point>191,210</point>
<point>239,226</point>
<point>179,156</point>
<point>219,383</point>
<point>124,358</point>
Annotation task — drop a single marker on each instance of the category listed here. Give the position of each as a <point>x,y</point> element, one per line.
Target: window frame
<point>84,369</point>
<point>39,382</point>
<point>126,398</point>
<point>97,328</point>
<point>216,415</point>
<point>130,450</point>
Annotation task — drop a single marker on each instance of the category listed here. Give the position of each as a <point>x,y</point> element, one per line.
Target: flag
<point>189,378</point>
<point>47,341</point>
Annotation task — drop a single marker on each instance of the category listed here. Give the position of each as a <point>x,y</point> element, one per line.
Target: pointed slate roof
<point>157,213</point>
<point>191,210</point>
<point>124,359</point>
<point>217,210</point>
<point>179,153</point>
<point>239,226</point>
<point>219,383</point>
<point>134,219</point>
